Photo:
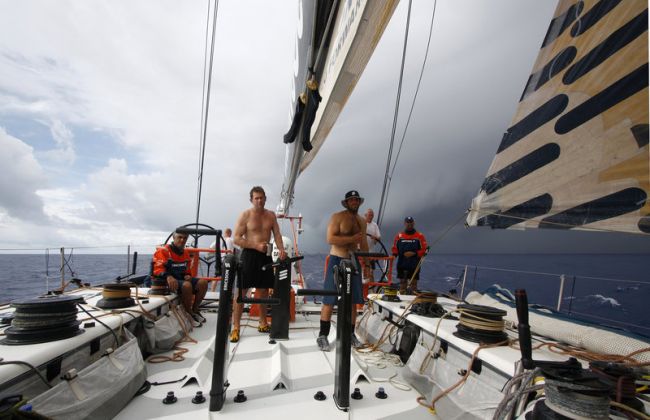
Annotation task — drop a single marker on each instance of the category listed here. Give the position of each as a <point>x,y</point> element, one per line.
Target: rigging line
<point>417,90</point>
<point>76,247</point>
<point>205,65</point>
<point>67,261</point>
<point>380,214</point>
<point>450,227</point>
<point>207,108</point>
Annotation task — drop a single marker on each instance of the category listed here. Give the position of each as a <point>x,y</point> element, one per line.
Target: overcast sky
<point>100,110</point>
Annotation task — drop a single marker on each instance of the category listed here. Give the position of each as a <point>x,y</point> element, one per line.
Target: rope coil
<point>116,296</point>
<point>481,324</point>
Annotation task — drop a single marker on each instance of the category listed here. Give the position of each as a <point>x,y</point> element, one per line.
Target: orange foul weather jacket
<point>168,263</point>
<point>409,242</point>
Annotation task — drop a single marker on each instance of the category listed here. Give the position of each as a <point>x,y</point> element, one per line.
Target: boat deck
<point>278,379</point>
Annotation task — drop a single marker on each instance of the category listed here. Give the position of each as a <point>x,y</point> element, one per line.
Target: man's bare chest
<point>259,224</point>
<point>349,225</point>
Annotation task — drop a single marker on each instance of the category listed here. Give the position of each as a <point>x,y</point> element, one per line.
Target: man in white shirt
<point>227,237</point>
<point>372,231</point>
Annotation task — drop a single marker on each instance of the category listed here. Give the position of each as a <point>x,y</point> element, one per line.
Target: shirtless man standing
<point>253,235</point>
<point>346,232</point>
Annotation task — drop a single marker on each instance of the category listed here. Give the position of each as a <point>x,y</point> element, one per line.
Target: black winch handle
<point>269,301</point>
<point>524,329</point>
<point>281,262</point>
<point>354,256</point>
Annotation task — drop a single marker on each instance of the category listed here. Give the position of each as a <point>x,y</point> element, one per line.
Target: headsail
<point>350,40</point>
<point>576,154</point>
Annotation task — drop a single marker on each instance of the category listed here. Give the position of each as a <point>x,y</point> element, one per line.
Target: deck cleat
<point>240,397</point>
<point>198,398</point>
<point>356,395</point>
<point>170,398</point>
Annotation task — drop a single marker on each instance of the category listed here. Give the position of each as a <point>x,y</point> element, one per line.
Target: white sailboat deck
<point>279,380</point>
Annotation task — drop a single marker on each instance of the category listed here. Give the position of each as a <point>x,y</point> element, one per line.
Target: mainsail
<point>338,37</point>
<point>576,154</point>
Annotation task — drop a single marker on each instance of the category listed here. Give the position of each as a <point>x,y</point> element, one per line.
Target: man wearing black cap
<point>346,232</point>
<point>409,246</point>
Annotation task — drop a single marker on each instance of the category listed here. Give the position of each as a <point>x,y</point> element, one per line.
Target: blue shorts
<point>330,283</point>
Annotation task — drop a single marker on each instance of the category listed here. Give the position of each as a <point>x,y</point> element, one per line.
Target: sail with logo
<point>576,154</point>
<point>335,41</point>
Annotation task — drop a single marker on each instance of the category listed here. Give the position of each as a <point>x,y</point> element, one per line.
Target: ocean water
<point>605,288</point>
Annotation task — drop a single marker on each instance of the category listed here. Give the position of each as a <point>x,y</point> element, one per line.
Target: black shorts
<point>194,282</point>
<point>251,274</point>
<point>406,273</point>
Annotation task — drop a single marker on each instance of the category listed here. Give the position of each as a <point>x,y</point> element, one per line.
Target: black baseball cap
<point>409,219</point>
<point>351,194</point>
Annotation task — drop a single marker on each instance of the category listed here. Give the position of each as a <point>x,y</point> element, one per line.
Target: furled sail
<point>576,154</point>
<point>338,49</point>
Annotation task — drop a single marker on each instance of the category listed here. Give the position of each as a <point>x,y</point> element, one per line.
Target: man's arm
<point>423,246</point>
<point>240,232</point>
<point>277,236</point>
<point>160,258</point>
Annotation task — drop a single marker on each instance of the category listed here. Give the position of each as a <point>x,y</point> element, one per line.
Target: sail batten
<point>576,155</point>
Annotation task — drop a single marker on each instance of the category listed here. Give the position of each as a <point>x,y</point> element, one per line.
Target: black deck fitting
<point>198,398</point>
<point>170,398</point>
<point>240,397</point>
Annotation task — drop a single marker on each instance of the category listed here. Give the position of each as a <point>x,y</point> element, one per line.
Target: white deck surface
<point>257,368</point>
<point>280,379</point>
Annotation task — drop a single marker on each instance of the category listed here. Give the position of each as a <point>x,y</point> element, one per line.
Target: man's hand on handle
<point>172,283</point>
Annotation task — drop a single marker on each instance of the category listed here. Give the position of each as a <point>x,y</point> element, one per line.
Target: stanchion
<point>221,343</point>
<point>343,277</point>
<point>282,291</point>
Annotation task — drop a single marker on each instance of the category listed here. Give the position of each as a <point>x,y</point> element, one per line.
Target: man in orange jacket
<point>173,263</point>
<point>409,247</point>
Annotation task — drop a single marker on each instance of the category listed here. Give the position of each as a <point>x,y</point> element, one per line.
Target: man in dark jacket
<point>409,247</point>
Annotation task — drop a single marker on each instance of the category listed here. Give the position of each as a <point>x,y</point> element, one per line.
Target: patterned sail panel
<point>576,154</point>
